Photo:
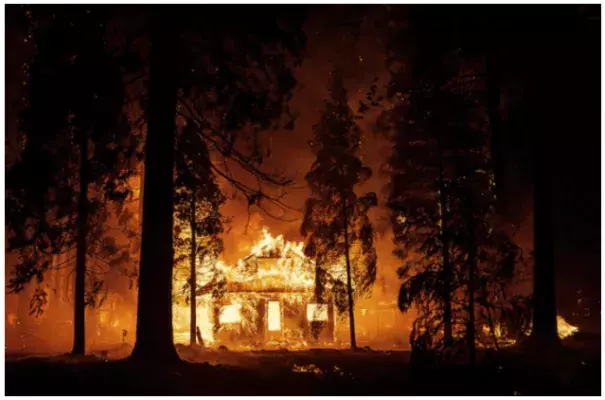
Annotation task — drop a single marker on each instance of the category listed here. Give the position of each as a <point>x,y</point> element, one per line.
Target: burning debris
<point>309,368</point>
<point>565,329</point>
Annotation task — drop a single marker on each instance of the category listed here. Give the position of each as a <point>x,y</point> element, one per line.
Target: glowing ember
<point>310,368</point>
<point>564,328</point>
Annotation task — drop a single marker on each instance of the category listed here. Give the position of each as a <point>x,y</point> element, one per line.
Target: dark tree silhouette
<point>519,51</point>
<point>419,188</point>
<point>335,218</point>
<point>442,189</point>
<point>154,339</point>
<point>76,139</point>
<point>524,134</point>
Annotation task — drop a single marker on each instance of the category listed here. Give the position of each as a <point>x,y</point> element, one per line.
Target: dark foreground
<point>321,372</point>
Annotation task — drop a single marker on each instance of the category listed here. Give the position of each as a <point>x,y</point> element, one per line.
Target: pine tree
<point>420,183</point>
<point>442,194</point>
<point>76,139</point>
<point>335,223</point>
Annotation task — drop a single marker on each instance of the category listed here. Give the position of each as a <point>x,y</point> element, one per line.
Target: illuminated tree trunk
<point>447,273</point>
<point>154,338</point>
<point>193,278</point>
<point>82,232</point>
<point>349,280</point>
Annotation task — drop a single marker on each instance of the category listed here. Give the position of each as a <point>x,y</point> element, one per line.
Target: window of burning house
<point>230,314</point>
<point>274,316</point>
<point>317,312</point>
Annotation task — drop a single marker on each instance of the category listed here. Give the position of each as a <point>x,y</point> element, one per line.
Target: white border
<point>2,146</point>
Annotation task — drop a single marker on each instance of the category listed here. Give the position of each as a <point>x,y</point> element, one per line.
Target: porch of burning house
<point>267,306</point>
<point>273,318</point>
<point>269,313</point>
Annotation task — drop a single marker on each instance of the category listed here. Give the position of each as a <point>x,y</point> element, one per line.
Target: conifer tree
<point>441,193</point>
<point>76,160</point>
<point>335,222</point>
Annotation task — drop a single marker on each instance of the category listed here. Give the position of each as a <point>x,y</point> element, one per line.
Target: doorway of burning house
<point>274,316</point>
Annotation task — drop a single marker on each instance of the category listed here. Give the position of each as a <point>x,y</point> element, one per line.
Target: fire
<point>318,312</point>
<point>564,328</point>
<point>269,244</point>
<point>231,314</point>
<point>310,368</point>
<point>276,276</point>
<point>287,269</point>
<point>180,316</point>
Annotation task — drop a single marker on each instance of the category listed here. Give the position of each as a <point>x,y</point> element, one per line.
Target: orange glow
<point>564,330</point>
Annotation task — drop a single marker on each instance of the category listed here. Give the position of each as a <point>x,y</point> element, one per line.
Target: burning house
<point>268,301</point>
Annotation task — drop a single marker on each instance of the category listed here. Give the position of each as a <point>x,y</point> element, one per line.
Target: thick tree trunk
<point>544,330</point>
<point>154,338</point>
<point>543,99</point>
<point>447,273</point>
<point>349,280</point>
<point>82,232</point>
<point>497,138</point>
<point>193,278</point>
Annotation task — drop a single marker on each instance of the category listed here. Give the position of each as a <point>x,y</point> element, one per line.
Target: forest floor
<point>574,370</point>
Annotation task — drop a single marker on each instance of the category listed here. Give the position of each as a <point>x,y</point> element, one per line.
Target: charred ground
<point>321,372</point>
